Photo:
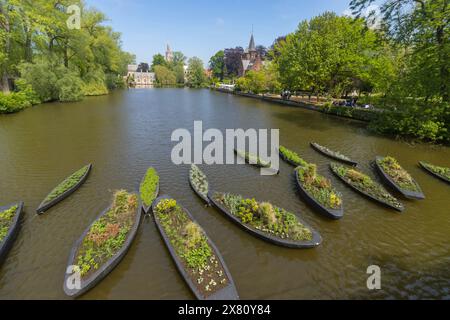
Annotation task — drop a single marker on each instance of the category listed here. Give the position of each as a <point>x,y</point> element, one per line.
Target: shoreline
<point>359,114</point>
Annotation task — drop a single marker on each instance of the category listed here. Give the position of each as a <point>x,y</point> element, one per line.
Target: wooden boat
<point>8,241</point>
<point>332,155</point>
<point>389,181</point>
<point>200,194</point>
<point>424,165</point>
<point>229,292</point>
<point>44,206</point>
<point>146,208</point>
<point>316,240</point>
<point>328,212</point>
<point>260,163</point>
<point>97,276</point>
<point>400,208</point>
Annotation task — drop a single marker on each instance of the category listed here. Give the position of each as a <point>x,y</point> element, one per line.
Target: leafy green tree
<point>164,76</point>
<point>158,60</point>
<point>328,54</point>
<point>196,73</point>
<point>422,27</point>
<point>217,65</point>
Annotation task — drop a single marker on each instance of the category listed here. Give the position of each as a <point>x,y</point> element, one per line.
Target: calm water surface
<point>124,133</point>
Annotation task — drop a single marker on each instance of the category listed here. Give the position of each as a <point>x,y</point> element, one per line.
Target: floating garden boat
<point>254,160</point>
<point>9,227</point>
<point>149,189</point>
<point>199,183</point>
<point>65,189</point>
<point>366,186</point>
<point>333,154</point>
<point>266,221</point>
<point>291,157</point>
<point>398,178</point>
<point>195,255</point>
<point>442,173</point>
<point>104,243</point>
<point>318,192</point>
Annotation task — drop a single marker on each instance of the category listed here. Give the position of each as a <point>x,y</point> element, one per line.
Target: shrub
<point>13,102</point>
<point>148,186</point>
<point>70,88</point>
<point>42,78</point>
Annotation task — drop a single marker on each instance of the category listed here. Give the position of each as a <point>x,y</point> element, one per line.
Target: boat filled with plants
<point>9,227</point>
<point>253,159</point>
<point>333,154</point>
<point>398,178</point>
<point>366,186</point>
<point>442,173</point>
<point>65,188</point>
<point>199,182</point>
<point>195,255</point>
<point>266,221</point>
<point>291,157</point>
<point>149,189</point>
<point>104,243</point>
<point>318,191</point>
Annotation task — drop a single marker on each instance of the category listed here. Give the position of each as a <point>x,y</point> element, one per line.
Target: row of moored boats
<point>106,241</point>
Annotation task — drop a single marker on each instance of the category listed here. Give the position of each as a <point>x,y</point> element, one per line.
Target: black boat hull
<point>391,183</point>
<point>227,293</point>
<point>434,174</point>
<point>8,242</point>
<point>317,239</point>
<point>46,206</point>
<point>366,194</point>
<point>330,213</point>
<point>99,275</point>
<point>316,147</point>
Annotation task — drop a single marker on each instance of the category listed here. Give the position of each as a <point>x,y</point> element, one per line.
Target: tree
<point>143,67</point>
<point>423,27</point>
<point>164,76</point>
<point>37,45</point>
<point>179,74</point>
<point>196,73</point>
<point>233,62</point>
<point>328,54</point>
<point>179,59</point>
<point>217,65</point>
<point>158,60</point>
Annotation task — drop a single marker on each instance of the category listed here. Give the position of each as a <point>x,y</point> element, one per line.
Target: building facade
<point>135,78</point>
<point>169,54</point>
<point>251,59</point>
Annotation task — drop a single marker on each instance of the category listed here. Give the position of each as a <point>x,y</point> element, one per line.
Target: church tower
<point>169,54</point>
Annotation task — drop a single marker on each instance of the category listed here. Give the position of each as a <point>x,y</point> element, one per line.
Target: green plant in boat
<point>401,177</point>
<point>192,247</point>
<point>108,234</point>
<point>67,184</point>
<point>149,187</point>
<point>443,171</point>
<point>265,217</point>
<point>333,153</point>
<point>6,219</point>
<point>253,159</point>
<point>364,183</point>
<point>318,186</point>
<point>199,180</point>
<point>292,156</point>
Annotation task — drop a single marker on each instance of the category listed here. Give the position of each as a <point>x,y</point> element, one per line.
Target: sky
<point>203,27</point>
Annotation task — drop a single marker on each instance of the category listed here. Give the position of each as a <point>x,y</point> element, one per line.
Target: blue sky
<point>202,27</point>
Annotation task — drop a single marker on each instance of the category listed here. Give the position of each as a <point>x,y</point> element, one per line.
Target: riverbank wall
<point>360,114</point>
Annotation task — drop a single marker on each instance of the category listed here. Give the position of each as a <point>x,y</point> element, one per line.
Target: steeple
<point>169,54</point>
<point>251,46</point>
